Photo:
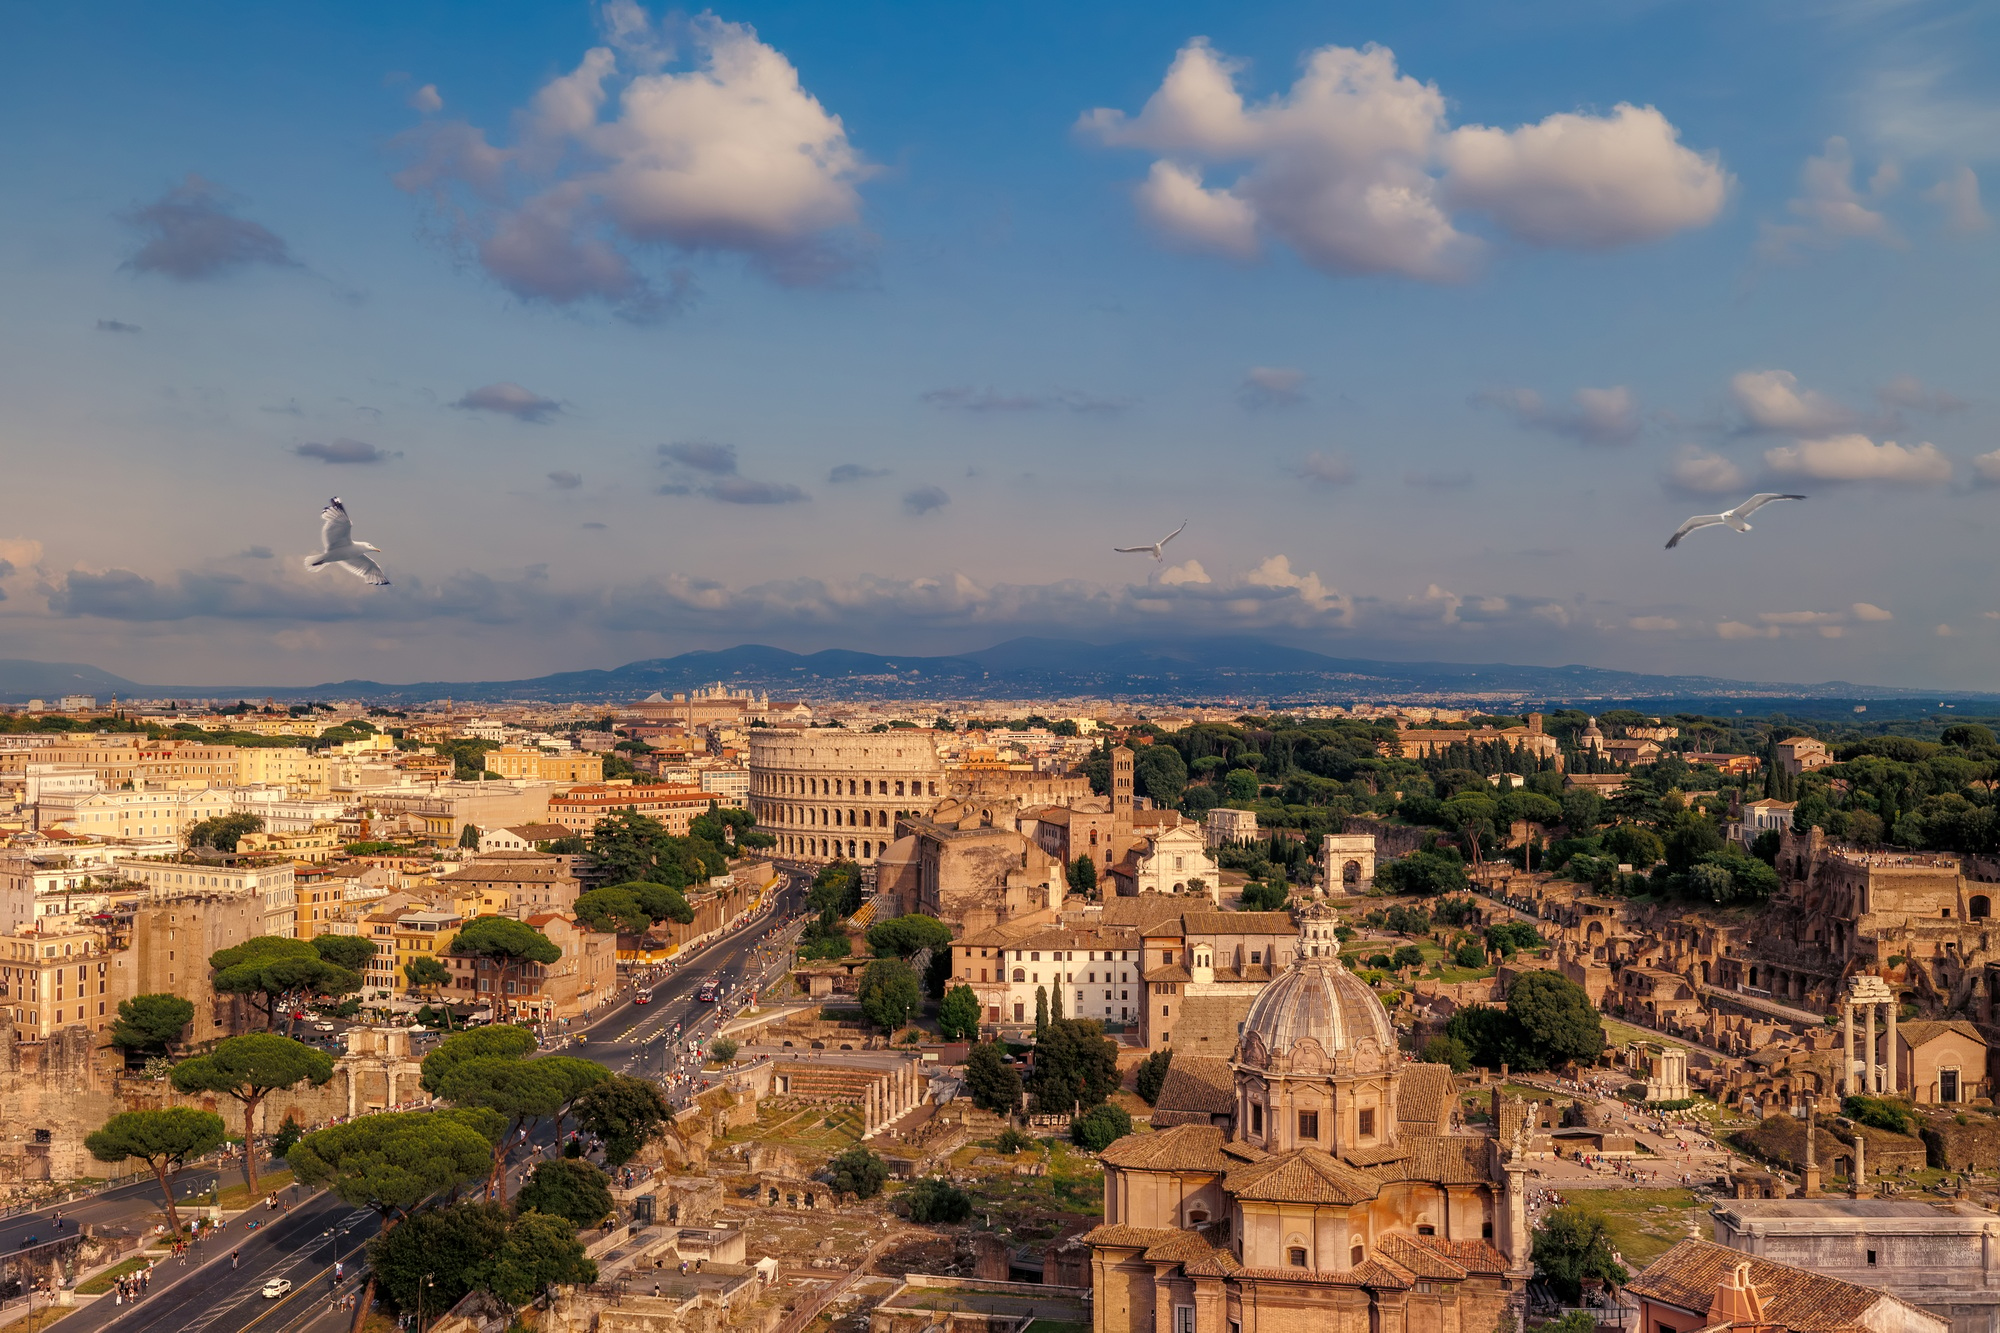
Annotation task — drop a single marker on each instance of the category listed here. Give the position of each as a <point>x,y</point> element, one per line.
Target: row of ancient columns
<point>891,1097</point>
<point>1867,993</point>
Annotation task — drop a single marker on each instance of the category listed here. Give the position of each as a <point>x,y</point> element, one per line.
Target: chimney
<point>1736,1299</point>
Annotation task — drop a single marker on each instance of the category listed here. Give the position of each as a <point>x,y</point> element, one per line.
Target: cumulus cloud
<point>702,456</point>
<point>1868,611</point>
<point>192,233</point>
<point>1858,458</point>
<point>1986,469</point>
<point>565,481</point>
<point>1772,402</point>
<point>1695,471</point>
<point>963,398</point>
<point>730,154</point>
<point>1272,386</point>
<point>1325,469</point>
<point>1736,629</point>
<point>344,451</point>
<point>1957,195</point>
<point>1830,208</point>
<point>1592,416</point>
<point>1910,392</point>
<point>846,472</point>
<point>924,499</point>
<point>116,326</point>
<point>1174,576</point>
<point>427,100</point>
<point>1355,169</point>
<point>1277,572</point>
<point>509,399</point>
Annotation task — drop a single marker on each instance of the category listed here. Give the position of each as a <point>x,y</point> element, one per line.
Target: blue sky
<point>877,326</point>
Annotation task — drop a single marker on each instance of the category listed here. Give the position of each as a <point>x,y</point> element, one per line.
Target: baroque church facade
<point>1315,1181</point>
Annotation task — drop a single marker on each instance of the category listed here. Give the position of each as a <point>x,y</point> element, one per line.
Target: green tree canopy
<point>903,936</point>
<point>858,1172</point>
<point>958,1014</point>
<point>164,1140</point>
<point>935,1201</point>
<point>1152,1075</point>
<point>468,837</point>
<point>348,951</point>
<point>392,1162</point>
<point>1446,1050</point>
<point>836,889</point>
<point>1424,872</point>
<point>438,1257</point>
<point>990,1081</point>
<point>509,944</point>
<point>1573,1243</point>
<point>570,1188</point>
<point>616,910</point>
<point>223,831</point>
<point>267,968</point>
<point>623,1113</point>
<point>1083,876</point>
<point>426,973</point>
<point>889,993</point>
<point>1096,1128</point>
<point>151,1022</point>
<point>629,846</point>
<point>540,1253</point>
<point>496,1041</point>
<point>1075,1065</point>
<point>251,1068</point>
<point>1557,1017</point>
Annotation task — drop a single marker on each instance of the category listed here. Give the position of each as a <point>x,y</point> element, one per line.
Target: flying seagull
<point>1735,518</point>
<point>1155,549</point>
<point>336,535</point>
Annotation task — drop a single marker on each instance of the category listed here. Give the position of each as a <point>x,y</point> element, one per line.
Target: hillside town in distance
<point>721,1012</point>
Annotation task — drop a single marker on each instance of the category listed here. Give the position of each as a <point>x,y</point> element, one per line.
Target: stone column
<point>1809,1177</point>
<point>1889,1055</point>
<point>1846,1049</point>
<point>1871,1077</point>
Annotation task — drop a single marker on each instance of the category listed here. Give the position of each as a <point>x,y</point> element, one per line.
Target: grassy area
<point>816,1129</point>
<point>1035,1207</point>
<point>1645,1224</point>
<point>100,1284</point>
<point>239,1196</point>
<point>42,1318</point>
<point>1454,974</point>
<point>1622,1034</point>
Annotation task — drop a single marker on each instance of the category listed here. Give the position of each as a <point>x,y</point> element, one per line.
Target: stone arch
<point>1980,907</point>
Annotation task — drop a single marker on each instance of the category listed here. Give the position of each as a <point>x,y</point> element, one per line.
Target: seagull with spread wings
<point>1735,518</point>
<point>336,536</point>
<point>1156,550</point>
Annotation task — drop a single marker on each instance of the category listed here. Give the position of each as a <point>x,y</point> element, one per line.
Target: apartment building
<point>518,761</point>
<point>147,812</point>
<point>1090,972</point>
<point>517,884</point>
<point>272,887</point>
<point>401,936</point>
<point>580,808</point>
<point>582,979</point>
<point>299,772</point>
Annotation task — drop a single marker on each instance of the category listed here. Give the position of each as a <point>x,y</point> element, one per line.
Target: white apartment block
<point>275,885</point>
<point>731,784</point>
<point>146,813</point>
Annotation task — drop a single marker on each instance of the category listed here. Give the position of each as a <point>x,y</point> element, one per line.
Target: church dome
<point>1318,1006</point>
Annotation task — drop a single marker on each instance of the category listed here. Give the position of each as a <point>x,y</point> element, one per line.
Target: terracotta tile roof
<point>1208,1025</point>
<point>1120,1236</point>
<point>1239,923</point>
<point>1182,1148</point>
<point>1424,1097</point>
<point>1220,1263</point>
<point>1420,1262</point>
<point>1144,910</point>
<point>1304,1175</point>
<point>1474,1256</point>
<point>1441,1159</point>
<point>1918,1031</point>
<point>1167,972</point>
<point>1369,1273</point>
<point>1796,1298</point>
<point>1379,1155</point>
<point>1198,1083</point>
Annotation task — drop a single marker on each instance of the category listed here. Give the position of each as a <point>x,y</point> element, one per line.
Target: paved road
<point>215,1298</point>
<point>134,1206</point>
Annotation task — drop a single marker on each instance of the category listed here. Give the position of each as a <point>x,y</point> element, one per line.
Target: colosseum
<point>826,793</point>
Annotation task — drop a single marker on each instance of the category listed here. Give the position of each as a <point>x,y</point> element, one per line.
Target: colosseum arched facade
<point>825,794</point>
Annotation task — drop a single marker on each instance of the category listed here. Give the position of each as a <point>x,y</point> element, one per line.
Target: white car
<point>277,1287</point>
<point>323,1027</point>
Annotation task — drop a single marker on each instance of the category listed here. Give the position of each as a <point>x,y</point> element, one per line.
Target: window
<point>1183,1319</point>
<point>1871,1258</point>
<point>1486,1231</point>
<point>1296,1256</point>
<point>1309,1125</point>
<point>1355,1256</point>
<point>1365,1122</point>
<point>1256,957</point>
<point>1426,1229</point>
<point>1256,1117</point>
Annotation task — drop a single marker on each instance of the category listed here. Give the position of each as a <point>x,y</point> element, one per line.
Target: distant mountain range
<point>1216,670</point>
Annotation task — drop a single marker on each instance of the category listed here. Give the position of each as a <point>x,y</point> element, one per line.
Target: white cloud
<point>1858,458</point>
<point>1176,575</point>
<point>732,155</point>
<point>1829,207</point>
<point>1701,473</point>
<point>427,100</point>
<point>1771,401</point>
<point>1276,572</point>
<point>1986,469</point>
<point>1946,632</point>
<point>1272,386</point>
<point>1355,169</point>
<point>1592,416</point>
<point>1958,196</point>
<point>1591,182</point>
<point>1736,629</point>
<point>1911,392</point>
<point>1652,624</point>
<point>1326,469</point>
<point>1868,611</point>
